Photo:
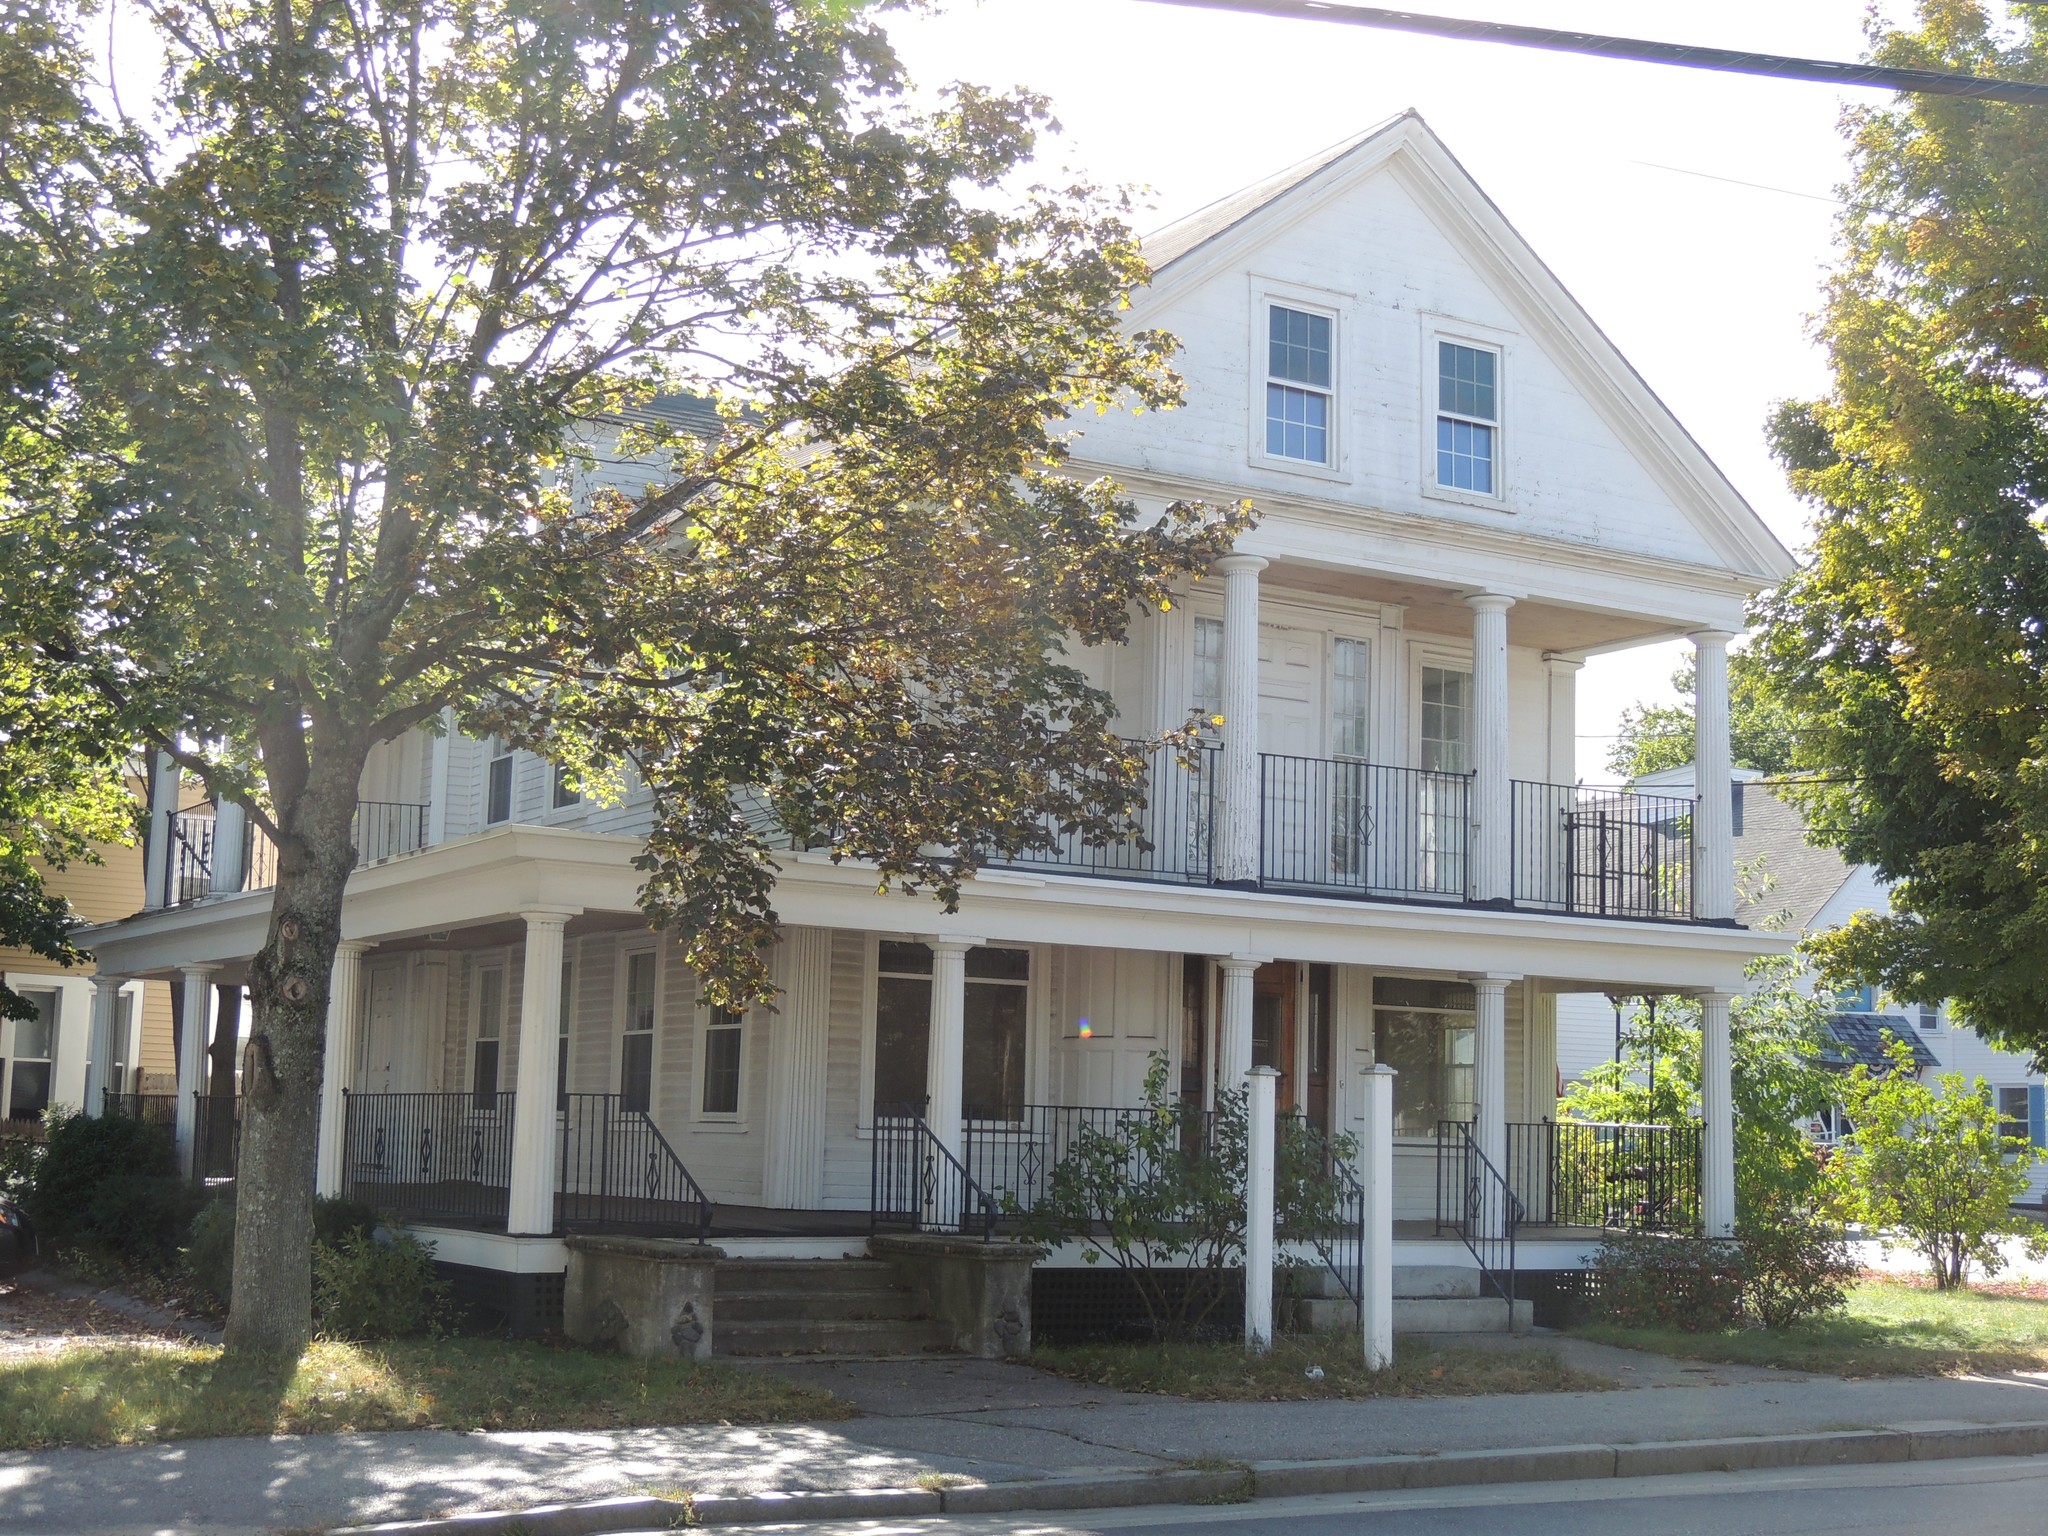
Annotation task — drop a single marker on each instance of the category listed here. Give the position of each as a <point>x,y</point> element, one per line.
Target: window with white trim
<point>636,1044</point>
<point>1423,1029</point>
<point>31,1054</point>
<point>1350,698</point>
<point>1208,700</point>
<point>487,1035</point>
<point>992,1063</point>
<point>1467,418</point>
<point>2012,1114</point>
<point>1300,392</point>
<point>565,793</point>
<point>724,1051</point>
<point>1446,720</point>
<point>498,784</point>
<point>118,1071</point>
<point>566,1012</point>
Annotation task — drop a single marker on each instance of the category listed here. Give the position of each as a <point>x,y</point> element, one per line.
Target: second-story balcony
<point>201,860</point>
<point>1341,827</point>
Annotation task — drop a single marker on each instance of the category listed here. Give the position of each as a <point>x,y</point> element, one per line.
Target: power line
<point>1930,82</point>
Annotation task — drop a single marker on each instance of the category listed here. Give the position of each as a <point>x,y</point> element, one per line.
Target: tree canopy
<point>308,356</point>
<point>1654,737</point>
<point>1912,647</point>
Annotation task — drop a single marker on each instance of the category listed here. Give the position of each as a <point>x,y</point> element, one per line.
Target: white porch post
<point>945,1061</point>
<point>1376,1181</point>
<point>197,1029</point>
<point>99,1061</point>
<point>230,838</point>
<point>1234,1020</point>
<point>337,1065</point>
<point>1713,876</point>
<point>1490,1072</point>
<point>1717,1113</point>
<point>1263,1083</point>
<point>794,1175</point>
<point>1237,833</point>
<point>1491,867</point>
<point>164,782</point>
<point>530,1203</point>
<point>1561,687</point>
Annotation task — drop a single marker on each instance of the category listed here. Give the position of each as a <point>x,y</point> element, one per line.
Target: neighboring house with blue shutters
<point>1786,884</point>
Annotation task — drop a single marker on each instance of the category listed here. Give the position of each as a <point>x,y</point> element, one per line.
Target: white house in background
<point>1792,886</point>
<point>1465,491</point>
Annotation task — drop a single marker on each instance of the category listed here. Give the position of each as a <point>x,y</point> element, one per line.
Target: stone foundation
<point>980,1291</point>
<point>650,1297</point>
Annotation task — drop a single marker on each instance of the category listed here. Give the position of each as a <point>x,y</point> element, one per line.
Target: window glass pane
<point>999,964</point>
<point>2012,1111</point>
<point>992,1070</point>
<point>562,1073</point>
<point>30,1095</point>
<point>567,1005</point>
<point>640,990</point>
<point>498,794</point>
<point>1432,1053</point>
<point>33,1036</point>
<point>913,959</point>
<point>1209,666</point>
<point>1465,380</point>
<point>566,793</point>
<point>1464,456</point>
<point>903,1026</point>
<point>1297,424</point>
<point>490,1003</point>
<point>1348,699</point>
<point>484,1078</point>
<point>722,1065</point>
<point>636,1073</point>
<point>1299,347</point>
<point>1446,720</point>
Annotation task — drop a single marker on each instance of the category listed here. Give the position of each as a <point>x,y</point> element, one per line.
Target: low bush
<point>1793,1269</point>
<point>109,1184</point>
<point>365,1289</point>
<point>1690,1283</point>
<point>141,1218</point>
<point>210,1248</point>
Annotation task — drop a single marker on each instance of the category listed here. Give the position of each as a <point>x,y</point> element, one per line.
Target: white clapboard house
<point>1466,491</point>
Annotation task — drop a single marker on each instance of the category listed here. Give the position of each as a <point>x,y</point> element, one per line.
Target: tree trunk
<point>282,1064</point>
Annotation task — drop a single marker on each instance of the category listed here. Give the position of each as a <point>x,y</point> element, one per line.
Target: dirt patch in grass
<point>1226,1373</point>
<point>96,1393</point>
<point>1892,1327</point>
<point>37,1324</point>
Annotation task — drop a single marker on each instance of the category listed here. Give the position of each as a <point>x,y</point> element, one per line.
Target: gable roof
<point>1862,1039</point>
<point>1799,878</point>
<point>1183,252</point>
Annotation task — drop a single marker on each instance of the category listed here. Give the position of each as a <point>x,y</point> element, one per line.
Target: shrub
<point>1793,1268</point>
<point>210,1250</point>
<point>364,1289</point>
<point>19,1157</point>
<point>335,1219</point>
<point>1690,1283</point>
<point>81,1155</point>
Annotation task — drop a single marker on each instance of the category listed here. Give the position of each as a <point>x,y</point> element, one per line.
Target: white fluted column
<point>1717,1114</point>
<point>1237,831</point>
<point>1376,1231</point>
<point>100,1050</point>
<point>1491,868</point>
<point>197,1030</point>
<point>1263,1085</point>
<point>337,1064</point>
<point>1713,873</point>
<point>230,840</point>
<point>793,1175</point>
<point>1234,1021</point>
<point>1561,714</point>
<point>946,1057</point>
<point>530,1205</point>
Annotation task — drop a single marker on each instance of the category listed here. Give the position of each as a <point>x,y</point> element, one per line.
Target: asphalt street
<point>1994,1496</point>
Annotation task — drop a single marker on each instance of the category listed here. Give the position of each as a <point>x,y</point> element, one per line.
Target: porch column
<point>1713,872</point>
<point>230,841</point>
<point>165,780</point>
<point>1490,1067</point>
<point>195,1032</point>
<point>1376,1231</point>
<point>1237,830</point>
<point>794,1175</point>
<point>1234,1021</point>
<point>1492,870</point>
<point>946,1057</point>
<point>1263,1084</point>
<point>1717,1114</point>
<point>99,1061</point>
<point>337,1065</point>
<point>531,1204</point>
<point>1561,687</point>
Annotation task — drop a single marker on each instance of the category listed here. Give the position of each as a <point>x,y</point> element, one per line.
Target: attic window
<point>1467,418</point>
<point>1298,387</point>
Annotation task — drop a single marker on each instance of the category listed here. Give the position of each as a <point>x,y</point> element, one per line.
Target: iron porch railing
<point>1363,829</point>
<point>915,1182</point>
<point>618,1173</point>
<point>1627,1178</point>
<point>1176,829</point>
<point>1473,1199</point>
<point>381,829</point>
<point>1601,852</point>
<point>437,1157</point>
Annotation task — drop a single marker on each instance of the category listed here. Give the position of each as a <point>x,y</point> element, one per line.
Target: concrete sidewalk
<point>990,1423</point>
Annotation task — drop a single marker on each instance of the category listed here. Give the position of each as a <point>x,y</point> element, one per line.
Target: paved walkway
<point>981,1420</point>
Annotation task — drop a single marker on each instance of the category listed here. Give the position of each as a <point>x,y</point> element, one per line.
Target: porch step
<point>1419,1314</point>
<point>820,1307</point>
<point>1420,1281</point>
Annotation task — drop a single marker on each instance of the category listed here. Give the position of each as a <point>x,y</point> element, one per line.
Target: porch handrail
<point>606,1149</point>
<point>150,1108</point>
<point>1364,829</point>
<point>1486,1213</point>
<point>1601,852</point>
<point>1619,1175</point>
<point>915,1180</point>
<point>380,829</point>
<point>429,1156</point>
<point>1342,1247</point>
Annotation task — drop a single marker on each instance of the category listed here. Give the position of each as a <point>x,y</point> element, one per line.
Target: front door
<point>1273,988</point>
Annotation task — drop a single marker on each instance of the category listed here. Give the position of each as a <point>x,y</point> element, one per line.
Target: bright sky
<point>1690,212</point>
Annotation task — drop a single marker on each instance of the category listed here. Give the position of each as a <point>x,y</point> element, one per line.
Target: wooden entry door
<point>1273,1014</point>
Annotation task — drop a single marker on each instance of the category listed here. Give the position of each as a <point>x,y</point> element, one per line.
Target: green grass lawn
<point>122,1393</point>
<point>1888,1329</point>
<point>1225,1373</point>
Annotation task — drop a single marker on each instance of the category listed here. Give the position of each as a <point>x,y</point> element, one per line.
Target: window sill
<point>719,1126</point>
<point>1435,492</point>
<point>1330,474</point>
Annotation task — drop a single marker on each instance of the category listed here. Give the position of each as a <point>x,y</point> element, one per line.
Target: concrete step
<point>1416,1314</point>
<point>1434,1280</point>
<point>809,1275</point>
<point>754,1306</point>
<point>838,1336</point>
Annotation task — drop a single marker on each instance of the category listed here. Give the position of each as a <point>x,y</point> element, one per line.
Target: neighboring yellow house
<point>43,1060</point>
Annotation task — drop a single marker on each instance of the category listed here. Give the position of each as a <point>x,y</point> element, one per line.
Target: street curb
<point>1262,1480</point>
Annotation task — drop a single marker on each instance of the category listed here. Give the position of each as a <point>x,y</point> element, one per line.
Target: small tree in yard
<point>307,353</point>
<point>1930,1167</point>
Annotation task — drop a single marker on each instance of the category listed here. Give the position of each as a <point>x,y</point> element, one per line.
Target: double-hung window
<point>565,793</point>
<point>490,1029</point>
<point>1467,418</point>
<point>2012,1114</point>
<point>636,1047</point>
<point>724,1039</point>
<point>498,785</point>
<point>1299,387</point>
<point>26,1067</point>
<point>567,1014</point>
<point>992,1064</point>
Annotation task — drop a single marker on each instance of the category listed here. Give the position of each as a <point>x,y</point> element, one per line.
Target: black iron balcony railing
<point>436,1157</point>
<point>618,1173</point>
<point>1475,1200</point>
<point>1601,852</point>
<point>915,1182</point>
<point>1175,835</point>
<point>1630,1178</point>
<point>1361,828</point>
<point>382,829</point>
